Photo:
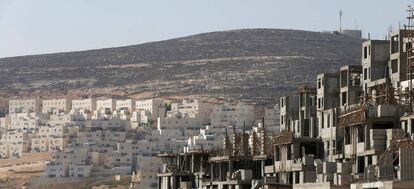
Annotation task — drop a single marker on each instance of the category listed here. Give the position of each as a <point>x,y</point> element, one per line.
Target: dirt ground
<point>17,176</point>
<point>27,172</point>
<point>15,173</point>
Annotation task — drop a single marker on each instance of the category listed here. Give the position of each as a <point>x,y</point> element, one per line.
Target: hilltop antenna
<point>410,18</point>
<point>410,54</point>
<point>340,21</point>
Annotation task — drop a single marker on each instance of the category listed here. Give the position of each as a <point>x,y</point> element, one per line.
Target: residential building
<point>25,106</point>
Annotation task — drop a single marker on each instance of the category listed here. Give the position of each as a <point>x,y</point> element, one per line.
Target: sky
<point>47,26</point>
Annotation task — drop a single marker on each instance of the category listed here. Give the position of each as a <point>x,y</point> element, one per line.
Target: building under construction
<point>354,129</point>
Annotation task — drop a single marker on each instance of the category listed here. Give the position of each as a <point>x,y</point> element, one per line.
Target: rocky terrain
<point>260,64</point>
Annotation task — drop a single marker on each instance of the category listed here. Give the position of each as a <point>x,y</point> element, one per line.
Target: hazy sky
<point>45,26</point>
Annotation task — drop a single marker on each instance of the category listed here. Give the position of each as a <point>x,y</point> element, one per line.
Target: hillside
<point>252,63</point>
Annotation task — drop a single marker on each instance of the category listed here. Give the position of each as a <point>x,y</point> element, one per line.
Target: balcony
<point>297,166</point>
<point>361,147</point>
<point>278,166</point>
<point>269,169</point>
<point>288,166</point>
<point>348,150</point>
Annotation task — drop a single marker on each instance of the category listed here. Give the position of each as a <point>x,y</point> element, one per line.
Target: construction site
<point>353,129</point>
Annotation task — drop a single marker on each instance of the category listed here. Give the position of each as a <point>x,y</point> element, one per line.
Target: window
<point>365,74</point>
<point>369,72</point>
<point>322,121</point>
<point>347,136</point>
<point>328,146</point>
<point>394,66</point>
<point>369,160</point>
<point>319,83</point>
<point>408,46</point>
<point>361,134</point>
<point>289,152</point>
<point>365,52</point>
<point>322,102</point>
<point>395,44</point>
<point>328,120</point>
<point>306,127</point>
<point>344,78</point>
<point>319,103</point>
<point>344,98</point>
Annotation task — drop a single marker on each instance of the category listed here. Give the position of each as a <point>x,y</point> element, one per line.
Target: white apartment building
<point>81,114</point>
<point>107,123</point>
<point>186,115</point>
<point>272,118</point>
<point>106,104</point>
<point>233,114</point>
<point>13,150</point>
<point>25,106</point>
<point>58,143</point>
<point>56,170</point>
<point>55,106</point>
<point>99,152</point>
<point>193,109</point>
<point>4,122</point>
<point>39,144</point>
<point>65,119</point>
<point>13,136</point>
<point>125,154</point>
<point>49,138</point>
<point>156,107</point>
<point>123,114</point>
<point>127,104</point>
<point>84,104</point>
<point>141,118</point>
<point>98,136</point>
<point>80,170</point>
<point>167,139</point>
<point>13,144</point>
<point>26,121</point>
<point>177,121</point>
<point>70,163</point>
<point>48,131</point>
<point>102,114</point>
<point>146,172</point>
<point>170,133</point>
<point>208,139</point>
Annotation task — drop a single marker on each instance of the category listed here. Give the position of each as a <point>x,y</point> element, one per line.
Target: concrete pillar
<point>220,171</point>
<point>173,180</point>
<point>295,148</point>
<point>159,182</point>
<point>367,138</point>
<point>295,179</point>
<point>169,182</point>
<point>192,163</point>
<point>211,173</point>
<point>263,169</point>
<point>230,171</point>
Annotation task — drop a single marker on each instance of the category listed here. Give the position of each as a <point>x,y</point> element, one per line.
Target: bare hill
<point>252,63</point>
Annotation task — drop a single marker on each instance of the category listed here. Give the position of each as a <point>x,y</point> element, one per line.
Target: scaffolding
<point>408,37</point>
